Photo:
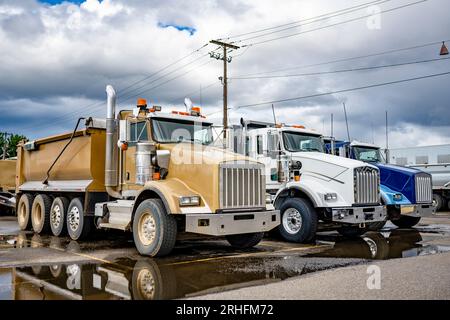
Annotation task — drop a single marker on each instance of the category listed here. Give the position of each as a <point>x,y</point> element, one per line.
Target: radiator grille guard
<point>367,185</point>
<point>424,188</point>
<point>242,185</point>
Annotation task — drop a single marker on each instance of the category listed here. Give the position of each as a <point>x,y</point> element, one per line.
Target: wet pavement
<point>108,267</point>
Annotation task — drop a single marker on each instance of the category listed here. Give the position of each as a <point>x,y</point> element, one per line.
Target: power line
<point>341,70</point>
<point>300,21</point>
<point>323,17</point>
<point>347,59</point>
<point>334,24</point>
<point>343,90</point>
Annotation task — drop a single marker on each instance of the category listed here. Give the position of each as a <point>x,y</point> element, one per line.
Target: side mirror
<point>124,131</point>
<point>273,144</point>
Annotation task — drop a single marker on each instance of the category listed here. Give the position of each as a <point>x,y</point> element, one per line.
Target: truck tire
<point>40,213</point>
<point>78,225</point>
<point>298,220</point>
<point>406,222</point>
<point>245,241</point>
<point>58,214</point>
<point>24,211</point>
<point>439,201</point>
<point>154,231</point>
<point>351,232</point>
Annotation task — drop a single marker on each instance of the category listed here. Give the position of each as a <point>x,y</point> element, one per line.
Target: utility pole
<point>346,122</point>
<point>226,60</point>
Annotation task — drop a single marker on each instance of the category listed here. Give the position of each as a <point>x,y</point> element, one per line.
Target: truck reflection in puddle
<point>153,279</point>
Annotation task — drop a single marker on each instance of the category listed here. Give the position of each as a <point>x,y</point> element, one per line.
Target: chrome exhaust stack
<point>112,155</point>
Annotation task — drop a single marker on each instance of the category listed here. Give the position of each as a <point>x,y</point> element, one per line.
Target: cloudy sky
<point>56,57</point>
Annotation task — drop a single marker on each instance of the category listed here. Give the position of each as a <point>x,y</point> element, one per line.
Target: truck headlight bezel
<point>397,197</point>
<point>330,196</point>
<point>189,201</point>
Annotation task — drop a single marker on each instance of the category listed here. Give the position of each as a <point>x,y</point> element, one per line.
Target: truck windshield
<point>175,131</point>
<point>368,154</point>
<point>298,142</point>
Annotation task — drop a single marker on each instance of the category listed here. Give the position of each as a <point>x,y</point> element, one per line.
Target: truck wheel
<point>58,213</point>
<point>351,232</point>
<point>154,231</point>
<point>244,241</point>
<point>78,225</point>
<point>406,222</point>
<point>298,220</point>
<point>40,213</point>
<point>439,201</point>
<point>24,211</point>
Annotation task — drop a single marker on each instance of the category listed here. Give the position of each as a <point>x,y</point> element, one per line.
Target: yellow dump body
<point>7,175</point>
<point>80,168</point>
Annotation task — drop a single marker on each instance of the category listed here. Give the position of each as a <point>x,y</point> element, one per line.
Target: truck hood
<point>197,167</point>
<point>327,164</point>
<point>398,178</point>
<point>392,167</point>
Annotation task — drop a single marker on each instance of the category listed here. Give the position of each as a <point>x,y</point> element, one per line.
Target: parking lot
<point>109,267</point>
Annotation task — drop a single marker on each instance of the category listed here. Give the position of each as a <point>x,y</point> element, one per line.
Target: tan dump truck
<point>143,171</point>
<point>7,185</point>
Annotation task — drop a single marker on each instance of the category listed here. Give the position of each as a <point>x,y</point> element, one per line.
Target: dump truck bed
<point>80,168</point>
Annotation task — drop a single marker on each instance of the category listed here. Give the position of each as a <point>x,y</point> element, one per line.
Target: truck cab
<point>406,192</point>
<point>306,184</point>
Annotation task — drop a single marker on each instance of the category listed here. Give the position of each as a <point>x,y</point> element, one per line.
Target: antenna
<point>387,138</point>
<point>346,122</point>
<point>332,134</point>
<point>274,117</point>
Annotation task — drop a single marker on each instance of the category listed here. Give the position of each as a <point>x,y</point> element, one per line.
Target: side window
<point>138,132</point>
<point>259,144</point>
<point>401,161</point>
<point>421,159</point>
<point>443,158</point>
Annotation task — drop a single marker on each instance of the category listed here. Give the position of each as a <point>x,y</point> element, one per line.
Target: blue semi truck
<point>406,192</point>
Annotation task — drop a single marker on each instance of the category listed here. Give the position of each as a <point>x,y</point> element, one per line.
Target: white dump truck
<point>306,184</point>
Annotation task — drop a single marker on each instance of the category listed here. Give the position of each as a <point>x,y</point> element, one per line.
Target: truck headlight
<point>397,196</point>
<point>189,201</point>
<point>330,196</point>
<point>269,198</point>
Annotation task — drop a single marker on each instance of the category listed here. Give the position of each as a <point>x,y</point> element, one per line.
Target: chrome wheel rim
<point>74,219</point>
<point>55,216</point>
<point>147,229</point>
<point>146,284</point>
<point>292,221</point>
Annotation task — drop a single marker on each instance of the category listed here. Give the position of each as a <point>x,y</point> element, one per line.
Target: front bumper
<point>418,210</point>
<point>223,224</point>
<point>358,215</point>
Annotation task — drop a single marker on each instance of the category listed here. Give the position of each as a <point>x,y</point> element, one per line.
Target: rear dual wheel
<point>78,225</point>
<point>24,211</point>
<point>58,213</point>
<point>40,213</point>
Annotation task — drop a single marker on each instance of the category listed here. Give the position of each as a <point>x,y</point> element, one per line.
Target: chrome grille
<point>367,185</point>
<point>424,188</point>
<point>242,185</point>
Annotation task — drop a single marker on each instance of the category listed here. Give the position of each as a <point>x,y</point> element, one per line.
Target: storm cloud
<point>56,58</point>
